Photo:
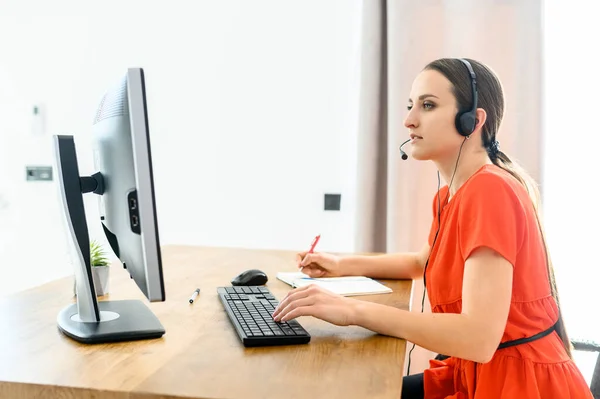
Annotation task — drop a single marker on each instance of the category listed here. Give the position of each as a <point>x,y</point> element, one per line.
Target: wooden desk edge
<point>32,390</point>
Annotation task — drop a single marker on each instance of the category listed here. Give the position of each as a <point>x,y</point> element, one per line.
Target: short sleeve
<point>491,215</point>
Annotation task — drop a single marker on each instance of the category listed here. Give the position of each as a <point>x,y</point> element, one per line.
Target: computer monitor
<point>124,184</point>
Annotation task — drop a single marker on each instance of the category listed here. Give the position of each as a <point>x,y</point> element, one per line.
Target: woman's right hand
<point>318,264</point>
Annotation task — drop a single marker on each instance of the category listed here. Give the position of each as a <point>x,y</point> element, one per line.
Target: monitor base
<point>126,320</point>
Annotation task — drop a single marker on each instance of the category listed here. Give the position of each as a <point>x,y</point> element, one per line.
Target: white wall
<point>570,166</point>
<point>571,154</point>
<point>252,116</point>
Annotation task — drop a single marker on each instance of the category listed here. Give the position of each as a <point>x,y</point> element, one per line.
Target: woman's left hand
<point>313,300</point>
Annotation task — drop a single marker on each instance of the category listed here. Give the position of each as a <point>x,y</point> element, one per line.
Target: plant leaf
<point>98,256</point>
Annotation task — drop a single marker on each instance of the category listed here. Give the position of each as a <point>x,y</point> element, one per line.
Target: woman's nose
<point>410,121</point>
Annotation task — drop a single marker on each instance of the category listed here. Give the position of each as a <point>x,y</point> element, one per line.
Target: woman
<point>495,310</point>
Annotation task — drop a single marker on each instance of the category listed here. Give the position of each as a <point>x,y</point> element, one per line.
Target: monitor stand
<point>89,320</point>
<point>126,320</point>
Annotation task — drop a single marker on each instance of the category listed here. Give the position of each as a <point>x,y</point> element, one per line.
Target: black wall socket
<point>332,202</point>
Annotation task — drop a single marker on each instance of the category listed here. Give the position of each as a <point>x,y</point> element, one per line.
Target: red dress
<point>492,209</point>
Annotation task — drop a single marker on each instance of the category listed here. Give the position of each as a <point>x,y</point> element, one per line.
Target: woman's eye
<point>409,107</point>
<point>428,105</point>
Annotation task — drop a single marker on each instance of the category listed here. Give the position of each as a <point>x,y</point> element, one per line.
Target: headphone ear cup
<point>458,124</point>
<point>465,123</point>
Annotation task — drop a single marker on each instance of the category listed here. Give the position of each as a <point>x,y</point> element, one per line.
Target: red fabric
<point>492,209</point>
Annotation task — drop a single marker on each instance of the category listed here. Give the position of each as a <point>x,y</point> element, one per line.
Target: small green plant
<point>98,255</point>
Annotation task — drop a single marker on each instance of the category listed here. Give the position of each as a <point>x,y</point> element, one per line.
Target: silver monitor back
<point>122,155</point>
<point>125,189</point>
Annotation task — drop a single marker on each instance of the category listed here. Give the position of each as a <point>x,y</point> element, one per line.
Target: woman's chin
<point>419,155</point>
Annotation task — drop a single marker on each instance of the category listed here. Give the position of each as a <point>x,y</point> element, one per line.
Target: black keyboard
<point>250,309</point>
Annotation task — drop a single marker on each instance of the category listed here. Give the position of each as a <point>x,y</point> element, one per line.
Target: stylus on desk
<point>194,295</point>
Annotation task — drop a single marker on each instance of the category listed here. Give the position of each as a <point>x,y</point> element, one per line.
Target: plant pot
<point>100,275</point>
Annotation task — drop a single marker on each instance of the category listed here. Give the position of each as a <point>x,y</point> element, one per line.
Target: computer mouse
<point>250,277</point>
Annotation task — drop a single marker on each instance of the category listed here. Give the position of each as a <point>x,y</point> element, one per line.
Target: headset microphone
<point>404,155</point>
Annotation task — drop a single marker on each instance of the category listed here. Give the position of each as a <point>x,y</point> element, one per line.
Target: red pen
<point>312,248</point>
<point>314,244</point>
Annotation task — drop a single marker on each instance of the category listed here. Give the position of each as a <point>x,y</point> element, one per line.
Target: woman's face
<point>430,120</point>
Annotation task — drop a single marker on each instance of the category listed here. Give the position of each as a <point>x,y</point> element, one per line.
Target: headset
<point>465,122</point>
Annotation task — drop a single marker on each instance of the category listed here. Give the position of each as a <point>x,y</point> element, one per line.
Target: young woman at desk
<point>485,266</point>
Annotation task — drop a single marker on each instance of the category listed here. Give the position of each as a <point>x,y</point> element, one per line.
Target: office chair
<point>590,346</point>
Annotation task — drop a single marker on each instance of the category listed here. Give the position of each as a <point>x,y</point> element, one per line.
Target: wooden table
<point>200,356</point>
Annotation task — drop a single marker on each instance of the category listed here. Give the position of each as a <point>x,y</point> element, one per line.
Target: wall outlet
<point>332,202</point>
<point>38,173</point>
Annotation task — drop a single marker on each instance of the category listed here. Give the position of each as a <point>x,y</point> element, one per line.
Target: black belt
<point>514,342</point>
<point>520,341</point>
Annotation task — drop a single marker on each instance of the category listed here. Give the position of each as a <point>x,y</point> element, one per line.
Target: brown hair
<point>491,99</point>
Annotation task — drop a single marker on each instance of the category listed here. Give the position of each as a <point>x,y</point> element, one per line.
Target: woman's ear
<point>480,118</point>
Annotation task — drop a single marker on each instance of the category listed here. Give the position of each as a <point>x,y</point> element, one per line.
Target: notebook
<point>346,286</point>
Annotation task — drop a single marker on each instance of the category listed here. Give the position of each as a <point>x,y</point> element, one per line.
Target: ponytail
<point>503,161</point>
